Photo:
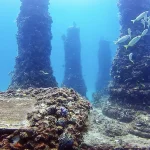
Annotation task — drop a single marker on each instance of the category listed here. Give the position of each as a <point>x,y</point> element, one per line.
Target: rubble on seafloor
<point>62,120</point>
<point>57,122</point>
<point>113,126</point>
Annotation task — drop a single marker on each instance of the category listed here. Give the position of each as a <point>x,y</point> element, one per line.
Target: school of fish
<point>144,20</point>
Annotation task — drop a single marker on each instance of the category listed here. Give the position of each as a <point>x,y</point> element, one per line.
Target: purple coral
<point>64,111</point>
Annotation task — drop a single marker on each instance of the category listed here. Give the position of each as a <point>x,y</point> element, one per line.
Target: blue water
<point>96,19</point>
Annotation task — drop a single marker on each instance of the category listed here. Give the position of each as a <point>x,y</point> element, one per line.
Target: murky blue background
<point>96,19</point>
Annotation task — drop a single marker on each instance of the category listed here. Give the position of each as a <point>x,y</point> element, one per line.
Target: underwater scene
<point>75,75</point>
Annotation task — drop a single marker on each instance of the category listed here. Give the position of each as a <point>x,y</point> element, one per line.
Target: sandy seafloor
<point>96,135</point>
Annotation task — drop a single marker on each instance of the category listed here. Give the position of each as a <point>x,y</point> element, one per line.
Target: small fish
<point>129,32</point>
<point>142,15</point>
<point>142,85</point>
<point>144,32</point>
<point>122,39</point>
<point>143,22</point>
<point>46,73</point>
<point>148,18</point>
<point>148,23</point>
<point>130,57</point>
<point>133,42</point>
<point>145,18</point>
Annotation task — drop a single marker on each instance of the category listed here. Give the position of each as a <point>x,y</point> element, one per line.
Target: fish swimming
<point>148,23</point>
<point>148,18</point>
<point>46,73</point>
<point>143,22</point>
<point>145,18</point>
<point>122,39</point>
<point>142,15</point>
<point>129,32</point>
<point>144,32</point>
<point>130,57</point>
<point>133,42</point>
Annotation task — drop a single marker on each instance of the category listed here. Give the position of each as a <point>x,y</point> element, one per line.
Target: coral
<point>65,142</point>
<point>58,120</point>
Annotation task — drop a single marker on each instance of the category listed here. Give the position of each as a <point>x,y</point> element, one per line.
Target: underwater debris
<point>58,120</point>
<point>112,132</point>
<point>112,126</point>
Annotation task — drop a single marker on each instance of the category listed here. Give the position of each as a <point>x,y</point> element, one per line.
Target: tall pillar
<point>104,65</point>
<point>33,67</point>
<point>73,71</point>
<point>131,75</point>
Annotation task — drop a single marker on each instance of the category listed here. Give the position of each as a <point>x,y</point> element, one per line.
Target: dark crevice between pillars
<point>104,65</point>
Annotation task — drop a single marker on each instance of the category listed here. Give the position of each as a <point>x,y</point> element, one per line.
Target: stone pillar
<point>33,67</point>
<point>73,71</point>
<point>104,65</point>
<point>131,79</point>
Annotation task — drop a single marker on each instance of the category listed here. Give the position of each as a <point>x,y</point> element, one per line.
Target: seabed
<point>107,133</point>
<point>106,127</point>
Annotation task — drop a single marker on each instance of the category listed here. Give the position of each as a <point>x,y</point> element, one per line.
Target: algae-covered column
<point>33,67</point>
<point>104,65</point>
<point>131,66</point>
<point>73,71</point>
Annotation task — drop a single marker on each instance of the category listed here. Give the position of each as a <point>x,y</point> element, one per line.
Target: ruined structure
<point>104,64</point>
<point>73,71</point>
<point>33,67</point>
<point>44,119</point>
<point>131,78</point>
